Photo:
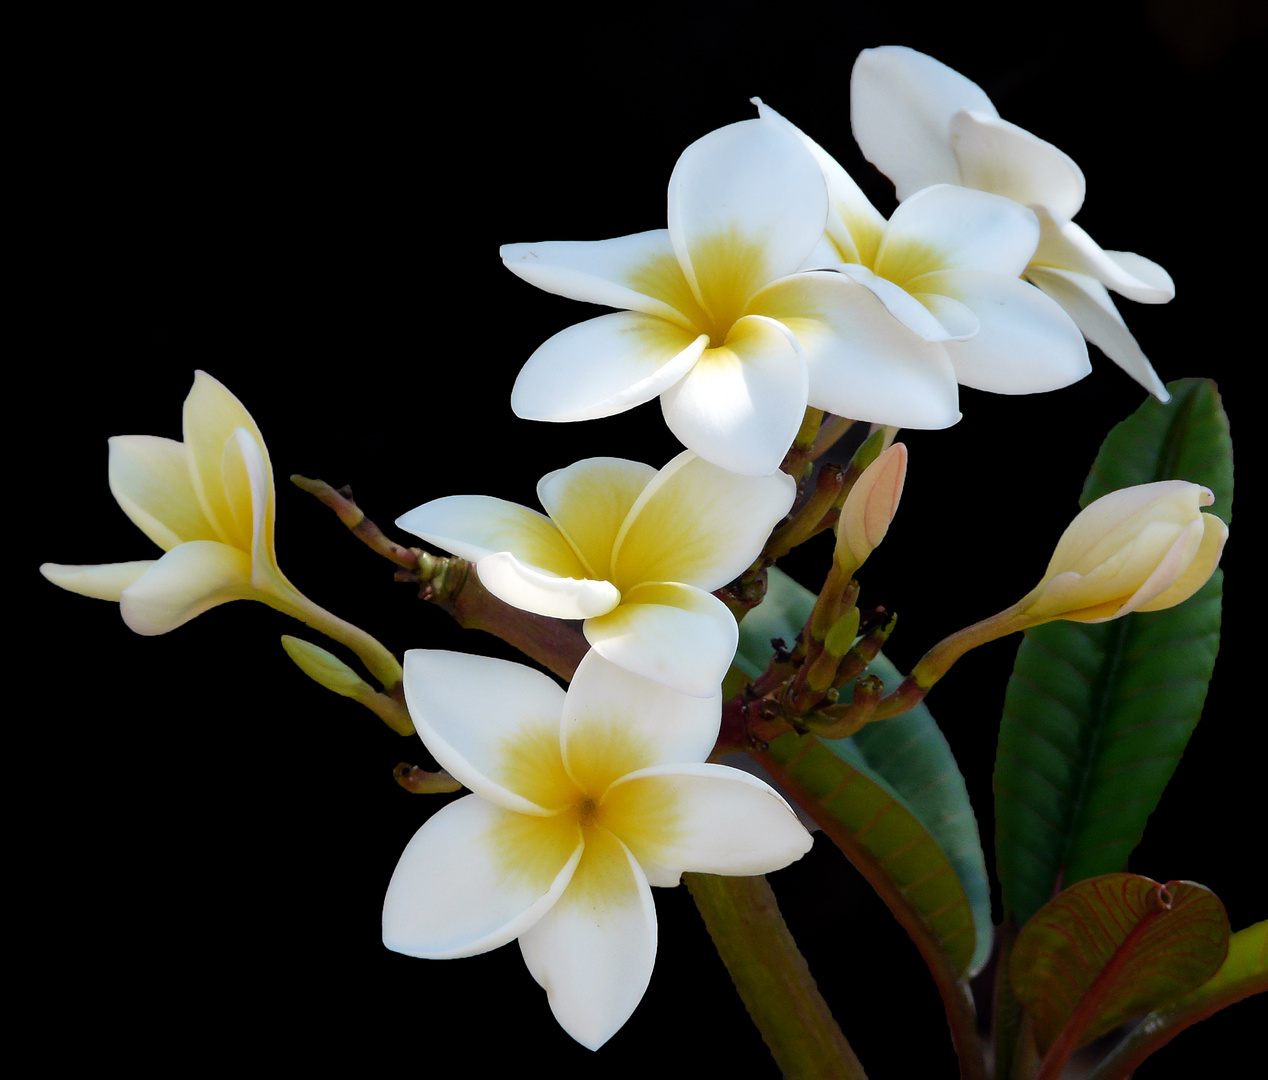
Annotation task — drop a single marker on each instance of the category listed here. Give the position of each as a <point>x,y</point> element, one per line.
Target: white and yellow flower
<point>208,502</point>
<point>632,551</point>
<point>717,322</point>
<point>947,267</point>
<point>580,802</point>
<point>921,123</point>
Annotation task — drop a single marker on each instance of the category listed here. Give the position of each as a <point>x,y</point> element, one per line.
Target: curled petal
<point>900,303</point>
<point>589,501</point>
<point>1002,158</point>
<point>104,582</point>
<point>1025,343</point>
<point>594,949</point>
<point>190,579</point>
<point>543,593</point>
<point>710,819</point>
<point>699,524</point>
<point>1206,559</point>
<point>476,876</point>
<point>149,478</point>
<point>474,526</point>
<point>604,366</point>
<point>1063,245</point>
<point>1089,304</point>
<point>747,202</point>
<point>741,405</point>
<point>669,633</point>
<point>493,724</point>
<point>862,362</point>
<point>901,105</point>
<point>955,228</point>
<point>616,722</point>
<point>633,273</point>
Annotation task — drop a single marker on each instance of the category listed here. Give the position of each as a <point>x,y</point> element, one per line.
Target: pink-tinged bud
<point>1141,548</point>
<point>870,507</point>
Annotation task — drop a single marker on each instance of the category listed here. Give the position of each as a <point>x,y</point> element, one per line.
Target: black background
<point>310,209</point>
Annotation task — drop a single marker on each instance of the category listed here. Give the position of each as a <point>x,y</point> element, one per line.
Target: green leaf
<point>1111,948</point>
<point>1244,972</point>
<point>907,757</point>
<point>1096,716</point>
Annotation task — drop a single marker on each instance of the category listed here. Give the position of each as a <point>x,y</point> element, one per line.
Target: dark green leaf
<point>1096,716</point>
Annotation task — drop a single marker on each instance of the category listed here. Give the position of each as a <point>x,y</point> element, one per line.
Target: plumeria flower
<point>717,322</point>
<point>922,123</point>
<point>580,801</point>
<point>947,267</point>
<point>208,502</point>
<point>632,551</point>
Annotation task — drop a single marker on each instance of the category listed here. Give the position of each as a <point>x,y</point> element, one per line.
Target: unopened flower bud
<point>870,507</point>
<point>1141,548</point>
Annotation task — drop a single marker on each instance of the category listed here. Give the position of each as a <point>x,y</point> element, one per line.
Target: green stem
<point>373,654</point>
<point>772,977</point>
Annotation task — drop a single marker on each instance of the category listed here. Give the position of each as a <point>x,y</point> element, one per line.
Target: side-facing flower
<point>947,267</point>
<point>632,551</point>
<point>921,123</point>
<point>1140,548</point>
<point>715,319</point>
<point>208,502</point>
<point>580,802</point>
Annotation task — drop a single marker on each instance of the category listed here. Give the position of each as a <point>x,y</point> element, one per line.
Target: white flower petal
<point>959,321</point>
<point>211,413</point>
<point>627,272</point>
<point>742,404</point>
<point>1000,157</point>
<point>188,580</point>
<point>493,724</point>
<point>104,582</point>
<point>149,478</point>
<point>901,104</point>
<point>543,593</point>
<point>1025,343</point>
<point>474,526</point>
<point>589,501</point>
<point>904,307</point>
<point>1065,246</point>
<point>593,951</point>
<point>854,224</point>
<point>1088,303</point>
<point>476,876</point>
<point>709,819</point>
<point>956,228</point>
<point>616,722</point>
<point>862,362</point>
<point>673,634</point>
<point>604,366</point>
<point>699,524</point>
<point>747,203</point>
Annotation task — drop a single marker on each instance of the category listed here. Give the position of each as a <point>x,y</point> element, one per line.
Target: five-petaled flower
<point>580,802</point>
<point>1141,548</point>
<point>947,267</point>
<point>632,551</point>
<point>921,123</point>
<point>718,322</point>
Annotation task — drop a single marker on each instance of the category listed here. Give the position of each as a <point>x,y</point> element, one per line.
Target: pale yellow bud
<point>1141,548</point>
<point>870,507</point>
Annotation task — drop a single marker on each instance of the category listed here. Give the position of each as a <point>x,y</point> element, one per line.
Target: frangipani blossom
<point>717,322</point>
<point>580,801</point>
<point>1141,548</point>
<point>947,267</point>
<point>632,551</point>
<point>921,123</point>
<point>208,502</point>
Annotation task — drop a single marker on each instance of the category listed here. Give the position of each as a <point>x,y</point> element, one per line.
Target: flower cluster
<point>776,294</point>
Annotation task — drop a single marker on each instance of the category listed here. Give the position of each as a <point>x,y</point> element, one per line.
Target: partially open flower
<point>632,551</point>
<point>1141,548</point>
<point>580,802</point>
<point>921,123</point>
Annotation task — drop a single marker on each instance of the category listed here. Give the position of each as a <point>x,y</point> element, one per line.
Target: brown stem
<point>351,515</point>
